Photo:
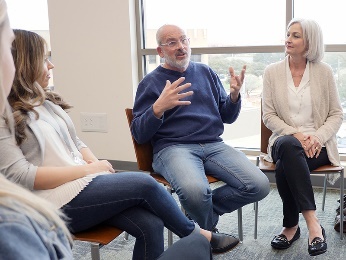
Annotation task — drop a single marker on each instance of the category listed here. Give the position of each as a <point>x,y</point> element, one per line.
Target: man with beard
<point>181,107</point>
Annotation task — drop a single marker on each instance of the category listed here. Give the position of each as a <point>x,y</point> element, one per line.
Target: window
<point>152,59</point>
<point>31,16</point>
<point>227,33</point>
<point>220,22</point>
<point>329,14</point>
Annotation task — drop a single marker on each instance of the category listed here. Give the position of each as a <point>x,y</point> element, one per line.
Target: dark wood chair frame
<point>98,237</point>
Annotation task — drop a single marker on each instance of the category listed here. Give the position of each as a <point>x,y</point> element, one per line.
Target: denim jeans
<point>133,202</point>
<point>185,167</point>
<point>292,174</point>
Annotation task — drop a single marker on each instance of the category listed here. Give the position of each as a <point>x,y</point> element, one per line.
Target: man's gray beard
<point>179,64</point>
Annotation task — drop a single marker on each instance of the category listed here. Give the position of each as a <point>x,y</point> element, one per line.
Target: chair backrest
<point>144,152</point>
<point>265,134</point>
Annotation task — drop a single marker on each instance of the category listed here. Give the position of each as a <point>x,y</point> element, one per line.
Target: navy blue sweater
<point>200,122</point>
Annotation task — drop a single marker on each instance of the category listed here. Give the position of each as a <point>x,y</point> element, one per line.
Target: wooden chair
<point>265,166</point>
<point>144,155</point>
<point>98,236</point>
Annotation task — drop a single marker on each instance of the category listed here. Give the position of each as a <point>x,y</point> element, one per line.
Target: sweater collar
<point>160,68</point>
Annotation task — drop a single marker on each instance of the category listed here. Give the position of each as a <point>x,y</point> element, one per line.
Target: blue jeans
<point>292,174</point>
<point>133,202</point>
<point>185,167</point>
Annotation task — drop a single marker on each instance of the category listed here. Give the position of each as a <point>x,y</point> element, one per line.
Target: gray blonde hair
<point>3,21</point>
<point>21,200</point>
<point>313,38</point>
<point>13,196</point>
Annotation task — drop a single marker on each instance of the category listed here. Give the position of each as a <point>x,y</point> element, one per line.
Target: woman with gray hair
<point>301,107</point>
<point>30,227</point>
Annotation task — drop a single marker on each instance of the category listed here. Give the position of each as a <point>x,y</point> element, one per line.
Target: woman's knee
<point>143,181</point>
<point>140,223</point>
<point>287,142</point>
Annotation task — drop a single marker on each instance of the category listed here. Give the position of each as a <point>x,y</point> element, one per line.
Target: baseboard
<point>316,180</point>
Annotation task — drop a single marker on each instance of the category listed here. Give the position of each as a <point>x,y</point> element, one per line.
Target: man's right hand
<point>170,97</point>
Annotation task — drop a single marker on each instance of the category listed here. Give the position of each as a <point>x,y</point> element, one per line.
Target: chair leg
<point>256,218</point>
<point>240,224</point>
<point>341,203</point>
<point>170,237</point>
<point>95,251</point>
<point>170,233</point>
<point>324,191</point>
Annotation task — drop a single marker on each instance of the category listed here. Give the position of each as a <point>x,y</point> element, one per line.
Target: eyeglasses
<point>174,44</point>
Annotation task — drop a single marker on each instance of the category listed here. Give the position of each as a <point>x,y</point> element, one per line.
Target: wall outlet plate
<point>94,122</point>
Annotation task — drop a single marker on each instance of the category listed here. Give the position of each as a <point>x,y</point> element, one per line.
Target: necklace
<point>299,75</point>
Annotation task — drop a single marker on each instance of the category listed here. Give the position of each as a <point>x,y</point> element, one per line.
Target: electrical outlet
<point>94,122</point>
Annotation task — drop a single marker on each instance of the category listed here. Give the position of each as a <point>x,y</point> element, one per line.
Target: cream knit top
<point>57,153</point>
<point>325,104</point>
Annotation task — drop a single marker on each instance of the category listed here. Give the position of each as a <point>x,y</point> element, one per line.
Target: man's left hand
<point>236,83</point>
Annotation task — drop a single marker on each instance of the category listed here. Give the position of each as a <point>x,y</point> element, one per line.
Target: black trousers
<point>292,173</point>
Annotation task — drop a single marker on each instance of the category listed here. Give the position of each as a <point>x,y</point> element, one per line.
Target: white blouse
<point>299,102</point>
<point>58,144</point>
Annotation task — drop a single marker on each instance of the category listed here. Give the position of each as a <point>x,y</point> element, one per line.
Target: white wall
<point>93,50</point>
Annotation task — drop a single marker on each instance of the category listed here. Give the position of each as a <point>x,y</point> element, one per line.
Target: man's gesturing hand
<point>236,83</point>
<point>170,97</point>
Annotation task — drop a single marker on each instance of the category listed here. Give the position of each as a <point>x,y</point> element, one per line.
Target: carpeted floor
<point>269,224</point>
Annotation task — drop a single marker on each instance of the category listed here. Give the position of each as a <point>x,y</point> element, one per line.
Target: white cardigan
<point>327,111</point>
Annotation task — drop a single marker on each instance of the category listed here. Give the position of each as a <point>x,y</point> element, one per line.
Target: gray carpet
<point>269,224</point>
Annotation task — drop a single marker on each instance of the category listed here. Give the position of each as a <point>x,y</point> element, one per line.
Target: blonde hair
<point>23,201</point>
<point>3,21</point>
<point>13,196</point>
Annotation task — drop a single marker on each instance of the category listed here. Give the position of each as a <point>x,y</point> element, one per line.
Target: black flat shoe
<point>221,243</point>
<point>281,241</point>
<point>318,245</point>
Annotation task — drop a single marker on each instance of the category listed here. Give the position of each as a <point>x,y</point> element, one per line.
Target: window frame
<point>142,51</point>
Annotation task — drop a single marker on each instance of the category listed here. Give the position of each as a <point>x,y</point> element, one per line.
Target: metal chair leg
<point>240,224</point>
<point>256,218</point>
<point>324,191</point>
<point>95,251</point>
<point>170,233</point>
<point>170,238</point>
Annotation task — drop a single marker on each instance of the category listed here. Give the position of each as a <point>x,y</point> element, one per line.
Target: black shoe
<point>215,230</point>
<point>281,241</point>
<point>318,245</point>
<point>221,243</point>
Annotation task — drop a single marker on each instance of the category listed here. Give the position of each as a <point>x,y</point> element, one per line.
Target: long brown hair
<point>29,52</point>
